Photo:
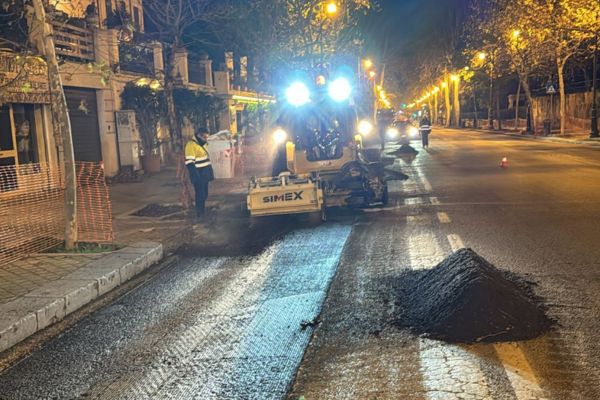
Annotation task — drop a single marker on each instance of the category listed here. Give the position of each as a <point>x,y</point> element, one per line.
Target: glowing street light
<point>332,8</point>
<point>481,56</point>
<point>368,63</point>
<point>372,74</point>
<point>454,77</point>
<point>516,33</point>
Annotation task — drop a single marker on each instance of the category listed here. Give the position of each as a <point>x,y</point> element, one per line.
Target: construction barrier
<point>32,208</point>
<point>94,211</point>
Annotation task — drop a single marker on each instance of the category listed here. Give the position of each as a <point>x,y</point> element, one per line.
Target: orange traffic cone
<point>504,162</point>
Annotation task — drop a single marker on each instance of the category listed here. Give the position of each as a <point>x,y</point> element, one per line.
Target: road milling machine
<point>320,161</point>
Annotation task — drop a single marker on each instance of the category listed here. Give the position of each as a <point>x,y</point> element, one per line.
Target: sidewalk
<point>571,138</point>
<point>42,289</point>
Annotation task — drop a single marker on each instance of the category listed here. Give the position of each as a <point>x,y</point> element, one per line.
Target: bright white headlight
<point>279,136</point>
<point>297,94</point>
<point>340,90</point>
<point>365,127</point>
<point>392,133</point>
<point>413,131</point>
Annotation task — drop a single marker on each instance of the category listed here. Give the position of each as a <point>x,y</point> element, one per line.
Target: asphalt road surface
<point>309,313</point>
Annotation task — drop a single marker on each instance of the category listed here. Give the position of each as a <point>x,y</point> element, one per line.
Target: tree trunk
<point>456,103</point>
<point>62,124</point>
<point>474,110</point>
<point>435,110</point>
<point>524,78</point>
<point>175,132</point>
<point>517,100</point>
<point>498,116</point>
<point>447,100</point>
<point>563,99</point>
<point>174,126</point>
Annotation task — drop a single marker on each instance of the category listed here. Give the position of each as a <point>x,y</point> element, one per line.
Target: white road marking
<point>455,242</point>
<point>434,201</point>
<point>449,372</point>
<point>426,184</point>
<point>521,376</point>
<point>443,218</point>
<point>413,200</point>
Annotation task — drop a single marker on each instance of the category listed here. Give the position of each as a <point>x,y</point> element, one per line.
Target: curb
<point>50,303</point>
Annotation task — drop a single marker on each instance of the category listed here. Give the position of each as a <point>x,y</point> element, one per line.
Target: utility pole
<point>42,30</point>
<point>594,116</point>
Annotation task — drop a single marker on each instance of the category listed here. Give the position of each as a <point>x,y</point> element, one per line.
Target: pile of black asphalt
<point>465,299</point>
<point>404,149</point>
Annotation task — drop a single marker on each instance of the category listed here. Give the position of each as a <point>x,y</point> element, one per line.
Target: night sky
<point>403,31</point>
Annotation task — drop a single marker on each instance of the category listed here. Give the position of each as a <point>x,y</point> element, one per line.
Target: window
<point>24,126</point>
<point>137,23</point>
<point>18,142</point>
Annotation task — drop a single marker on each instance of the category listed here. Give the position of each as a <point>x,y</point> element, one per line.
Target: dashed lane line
<point>443,218</point>
<point>456,242</point>
<point>519,372</point>
<point>426,184</point>
<point>449,372</point>
<point>437,360</point>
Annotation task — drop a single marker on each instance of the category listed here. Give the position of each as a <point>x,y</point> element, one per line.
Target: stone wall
<point>578,110</point>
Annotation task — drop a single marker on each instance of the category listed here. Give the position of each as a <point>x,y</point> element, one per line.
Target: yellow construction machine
<point>320,161</point>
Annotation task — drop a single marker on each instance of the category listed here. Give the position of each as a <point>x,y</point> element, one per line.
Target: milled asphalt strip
<point>91,350</point>
<point>51,302</point>
<point>250,341</point>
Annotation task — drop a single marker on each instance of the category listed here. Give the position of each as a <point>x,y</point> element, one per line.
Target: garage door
<point>83,113</point>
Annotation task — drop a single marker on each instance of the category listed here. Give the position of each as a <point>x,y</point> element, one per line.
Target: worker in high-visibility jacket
<point>425,130</point>
<point>199,167</point>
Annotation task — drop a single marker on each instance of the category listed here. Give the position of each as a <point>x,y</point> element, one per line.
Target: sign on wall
<point>23,79</point>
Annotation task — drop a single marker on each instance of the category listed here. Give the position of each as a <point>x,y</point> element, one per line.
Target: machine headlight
<point>280,136</point>
<point>413,131</point>
<point>297,94</point>
<point>340,89</point>
<point>392,133</point>
<point>365,127</point>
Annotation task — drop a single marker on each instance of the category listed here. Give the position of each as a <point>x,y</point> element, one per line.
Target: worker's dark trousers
<point>425,138</point>
<point>201,189</point>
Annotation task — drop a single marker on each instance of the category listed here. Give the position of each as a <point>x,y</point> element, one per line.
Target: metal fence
<point>32,208</point>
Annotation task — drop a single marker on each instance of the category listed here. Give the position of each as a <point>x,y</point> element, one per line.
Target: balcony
<point>73,43</point>
<point>136,58</point>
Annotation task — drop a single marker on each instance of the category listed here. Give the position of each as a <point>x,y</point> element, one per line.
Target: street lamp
<point>368,63</point>
<point>331,8</point>
<point>594,116</point>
